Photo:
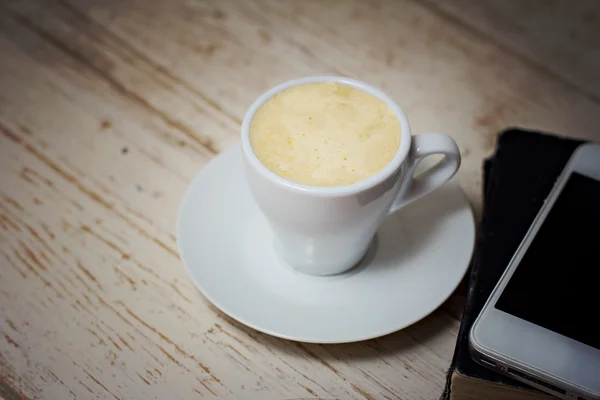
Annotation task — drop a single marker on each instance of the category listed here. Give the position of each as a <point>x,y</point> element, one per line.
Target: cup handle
<point>424,145</point>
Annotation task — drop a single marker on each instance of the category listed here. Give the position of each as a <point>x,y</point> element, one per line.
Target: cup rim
<point>327,191</point>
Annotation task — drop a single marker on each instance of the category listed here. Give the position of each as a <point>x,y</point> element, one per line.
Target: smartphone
<point>540,325</point>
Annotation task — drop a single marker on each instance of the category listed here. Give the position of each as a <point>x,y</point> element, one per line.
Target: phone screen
<point>557,283</point>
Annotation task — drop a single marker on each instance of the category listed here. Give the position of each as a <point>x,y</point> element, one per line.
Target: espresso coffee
<point>324,134</point>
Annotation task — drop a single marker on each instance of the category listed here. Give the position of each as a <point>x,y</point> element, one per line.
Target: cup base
<point>324,271</point>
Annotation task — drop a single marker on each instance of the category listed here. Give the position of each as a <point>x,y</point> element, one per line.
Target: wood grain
<point>109,109</point>
<point>558,37</point>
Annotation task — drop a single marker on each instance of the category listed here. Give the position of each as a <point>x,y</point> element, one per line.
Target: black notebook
<point>517,179</point>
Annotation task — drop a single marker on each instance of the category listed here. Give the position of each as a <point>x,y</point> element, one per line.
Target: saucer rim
<point>298,338</point>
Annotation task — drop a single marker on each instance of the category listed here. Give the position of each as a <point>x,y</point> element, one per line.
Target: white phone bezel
<point>530,348</point>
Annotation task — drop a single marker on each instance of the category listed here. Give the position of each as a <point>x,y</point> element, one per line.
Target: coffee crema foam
<point>325,134</point>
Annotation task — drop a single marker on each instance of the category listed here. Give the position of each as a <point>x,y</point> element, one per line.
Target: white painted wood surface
<point>108,110</point>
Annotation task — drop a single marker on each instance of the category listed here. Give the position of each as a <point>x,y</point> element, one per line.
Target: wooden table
<point>109,108</point>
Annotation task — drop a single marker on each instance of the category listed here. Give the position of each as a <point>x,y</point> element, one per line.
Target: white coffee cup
<point>327,230</point>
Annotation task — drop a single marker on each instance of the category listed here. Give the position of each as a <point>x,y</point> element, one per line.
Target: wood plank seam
<point>505,49</point>
<point>7,392</point>
<point>159,69</point>
<point>94,196</point>
<point>116,85</point>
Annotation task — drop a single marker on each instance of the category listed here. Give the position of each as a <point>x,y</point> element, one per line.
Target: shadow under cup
<point>326,230</point>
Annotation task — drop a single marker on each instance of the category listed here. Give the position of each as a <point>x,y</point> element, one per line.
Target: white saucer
<point>420,255</point>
